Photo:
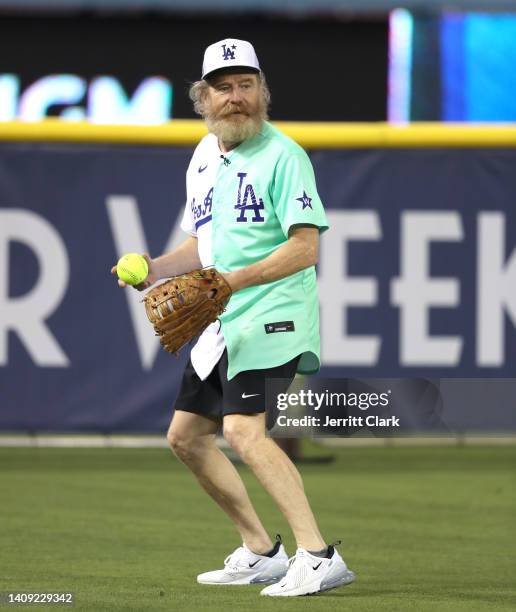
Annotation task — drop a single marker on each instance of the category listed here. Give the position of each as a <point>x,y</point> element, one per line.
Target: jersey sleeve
<point>187,222</point>
<point>294,193</point>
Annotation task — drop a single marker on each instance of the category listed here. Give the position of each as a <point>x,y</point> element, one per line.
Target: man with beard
<point>253,212</point>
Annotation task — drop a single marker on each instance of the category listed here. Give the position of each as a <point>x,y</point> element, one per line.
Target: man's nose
<point>235,95</point>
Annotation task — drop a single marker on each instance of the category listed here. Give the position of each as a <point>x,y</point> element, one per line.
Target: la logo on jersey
<point>247,201</point>
<point>228,52</point>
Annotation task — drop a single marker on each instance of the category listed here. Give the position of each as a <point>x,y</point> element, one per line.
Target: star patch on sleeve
<point>305,201</point>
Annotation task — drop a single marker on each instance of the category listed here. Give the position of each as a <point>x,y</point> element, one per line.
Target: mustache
<point>231,108</point>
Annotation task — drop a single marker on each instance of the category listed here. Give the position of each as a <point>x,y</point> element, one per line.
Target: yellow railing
<point>309,135</point>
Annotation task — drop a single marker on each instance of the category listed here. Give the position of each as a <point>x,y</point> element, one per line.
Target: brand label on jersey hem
<point>279,326</point>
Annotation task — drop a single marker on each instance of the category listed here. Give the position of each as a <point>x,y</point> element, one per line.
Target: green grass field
<point>424,529</point>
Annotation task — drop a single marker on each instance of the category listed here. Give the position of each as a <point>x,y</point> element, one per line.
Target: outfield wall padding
<point>417,274</point>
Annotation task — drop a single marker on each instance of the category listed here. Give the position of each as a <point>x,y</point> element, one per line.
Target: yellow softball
<point>132,268</point>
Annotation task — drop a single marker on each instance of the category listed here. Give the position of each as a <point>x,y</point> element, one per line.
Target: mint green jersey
<point>264,187</point>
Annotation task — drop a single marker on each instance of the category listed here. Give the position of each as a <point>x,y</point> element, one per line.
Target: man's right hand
<point>152,276</point>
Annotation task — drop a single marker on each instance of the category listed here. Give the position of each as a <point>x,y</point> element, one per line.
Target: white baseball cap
<point>229,53</point>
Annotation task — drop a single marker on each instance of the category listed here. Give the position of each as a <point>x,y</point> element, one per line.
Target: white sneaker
<point>309,574</point>
<point>245,567</point>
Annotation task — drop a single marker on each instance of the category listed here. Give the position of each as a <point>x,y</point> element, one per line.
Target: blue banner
<point>417,275</point>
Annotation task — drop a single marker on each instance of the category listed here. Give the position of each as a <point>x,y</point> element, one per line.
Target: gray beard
<point>232,132</point>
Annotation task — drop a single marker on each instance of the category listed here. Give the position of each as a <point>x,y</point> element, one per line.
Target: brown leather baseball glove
<point>182,308</point>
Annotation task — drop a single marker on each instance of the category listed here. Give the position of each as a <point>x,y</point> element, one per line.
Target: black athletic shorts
<point>243,394</point>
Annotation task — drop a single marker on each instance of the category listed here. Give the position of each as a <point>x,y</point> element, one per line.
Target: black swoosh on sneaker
<point>316,567</point>
<point>253,564</point>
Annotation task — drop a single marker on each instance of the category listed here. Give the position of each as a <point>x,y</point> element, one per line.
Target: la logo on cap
<point>228,52</point>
